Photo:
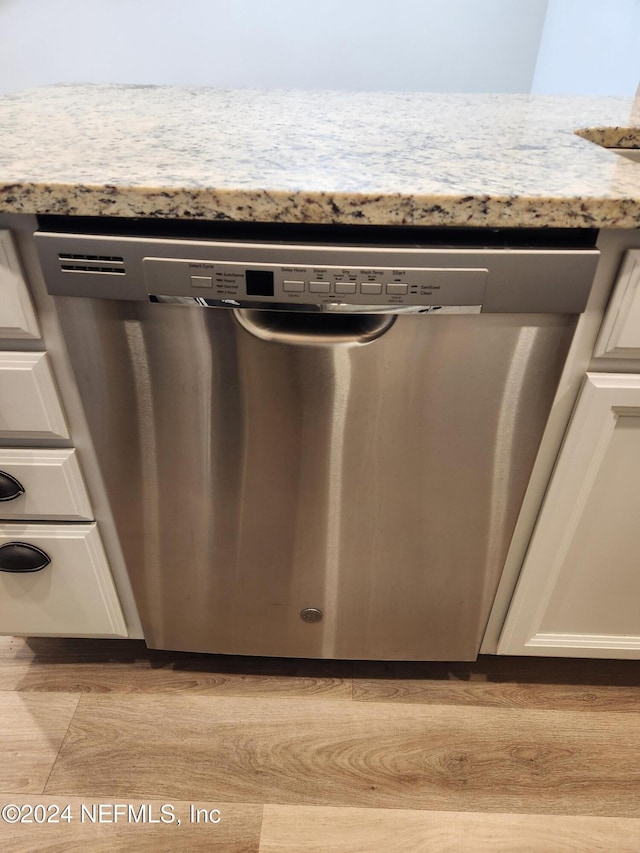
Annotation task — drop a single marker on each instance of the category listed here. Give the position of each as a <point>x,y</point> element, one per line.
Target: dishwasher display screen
<point>259,283</point>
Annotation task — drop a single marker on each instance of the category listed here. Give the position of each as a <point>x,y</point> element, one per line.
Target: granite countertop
<point>320,157</point>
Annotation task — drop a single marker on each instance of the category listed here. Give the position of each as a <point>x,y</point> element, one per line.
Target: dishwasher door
<point>313,486</point>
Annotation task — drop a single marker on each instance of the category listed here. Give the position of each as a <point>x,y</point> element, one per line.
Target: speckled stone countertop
<point>321,157</point>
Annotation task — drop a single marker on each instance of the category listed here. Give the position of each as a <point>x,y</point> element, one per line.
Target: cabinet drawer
<point>17,317</point>
<point>620,333</point>
<point>52,485</point>
<point>73,596</point>
<point>29,405</point>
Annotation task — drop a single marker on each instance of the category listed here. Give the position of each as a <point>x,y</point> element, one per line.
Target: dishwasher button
<point>371,287</point>
<point>319,287</point>
<point>396,289</point>
<point>201,281</point>
<point>345,287</point>
<point>293,286</point>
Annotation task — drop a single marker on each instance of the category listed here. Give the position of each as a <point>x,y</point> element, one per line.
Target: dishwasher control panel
<point>317,276</point>
<point>461,288</point>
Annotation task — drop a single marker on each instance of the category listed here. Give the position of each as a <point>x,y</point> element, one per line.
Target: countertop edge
<point>240,205</point>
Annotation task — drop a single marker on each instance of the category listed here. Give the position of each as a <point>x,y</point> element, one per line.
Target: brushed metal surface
<point>252,479</point>
<point>534,280</point>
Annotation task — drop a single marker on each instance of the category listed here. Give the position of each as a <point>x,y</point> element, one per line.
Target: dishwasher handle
<point>300,328</point>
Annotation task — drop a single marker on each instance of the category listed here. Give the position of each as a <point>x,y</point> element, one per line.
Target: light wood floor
<point>315,757</point>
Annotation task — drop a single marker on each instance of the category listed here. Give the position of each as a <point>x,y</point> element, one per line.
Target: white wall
<point>589,47</point>
<point>431,45</point>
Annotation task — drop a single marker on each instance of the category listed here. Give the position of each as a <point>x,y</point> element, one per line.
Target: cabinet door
<point>579,590</point>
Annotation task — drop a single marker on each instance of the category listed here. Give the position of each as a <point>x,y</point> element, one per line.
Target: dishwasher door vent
<point>91,263</point>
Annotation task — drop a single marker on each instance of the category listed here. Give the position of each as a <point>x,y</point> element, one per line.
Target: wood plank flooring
<point>306,756</point>
<point>337,830</point>
<point>31,733</point>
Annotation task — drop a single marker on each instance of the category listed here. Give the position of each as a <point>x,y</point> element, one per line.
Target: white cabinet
<point>17,317</point>
<point>55,578</point>
<point>579,591</point>
<point>73,595</point>
<point>620,333</point>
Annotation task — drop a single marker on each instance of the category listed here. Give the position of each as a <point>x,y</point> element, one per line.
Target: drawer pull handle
<point>10,488</point>
<point>22,557</point>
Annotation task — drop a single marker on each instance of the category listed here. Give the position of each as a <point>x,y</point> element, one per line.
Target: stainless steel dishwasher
<point>316,442</point>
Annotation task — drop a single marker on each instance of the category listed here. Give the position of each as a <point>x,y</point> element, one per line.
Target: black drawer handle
<point>10,488</point>
<point>22,557</point>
